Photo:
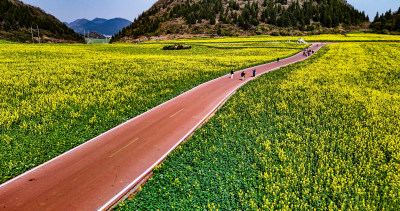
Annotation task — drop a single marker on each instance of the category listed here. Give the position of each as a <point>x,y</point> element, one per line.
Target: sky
<point>70,10</point>
<point>372,6</point>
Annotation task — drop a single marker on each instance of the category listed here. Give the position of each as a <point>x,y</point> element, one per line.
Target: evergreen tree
<point>397,22</point>
<point>388,21</point>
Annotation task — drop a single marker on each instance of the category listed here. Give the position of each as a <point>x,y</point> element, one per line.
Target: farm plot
<point>322,134</point>
<point>54,97</point>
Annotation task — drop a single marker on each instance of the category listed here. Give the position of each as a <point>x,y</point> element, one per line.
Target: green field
<point>323,134</point>
<point>57,96</point>
<point>97,41</point>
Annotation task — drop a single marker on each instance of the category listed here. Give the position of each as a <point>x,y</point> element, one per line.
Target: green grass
<point>4,42</point>
<point>97,41</point>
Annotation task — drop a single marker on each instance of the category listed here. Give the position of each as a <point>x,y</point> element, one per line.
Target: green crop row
<point>323,134</point>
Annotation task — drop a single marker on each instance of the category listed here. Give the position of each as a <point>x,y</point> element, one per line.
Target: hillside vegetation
<point>387,22</point>
<point>16,19</point>
<point>241,17</point>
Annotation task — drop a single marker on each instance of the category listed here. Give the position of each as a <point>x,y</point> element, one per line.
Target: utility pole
<point>33,41</point>
<point>88,37</point>
<point>38,30</point>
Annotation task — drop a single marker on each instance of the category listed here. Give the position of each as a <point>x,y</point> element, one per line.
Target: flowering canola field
<point>54,97</point>
<point>357,37</point>
<point>321,134</point>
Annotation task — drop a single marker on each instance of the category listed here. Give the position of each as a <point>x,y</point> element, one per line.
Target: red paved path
<point>96,174</point>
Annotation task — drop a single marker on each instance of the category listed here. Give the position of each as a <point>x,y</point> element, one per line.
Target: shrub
<point>176,47</point>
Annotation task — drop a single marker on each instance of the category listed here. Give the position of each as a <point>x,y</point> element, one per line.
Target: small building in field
<point>301,41</point>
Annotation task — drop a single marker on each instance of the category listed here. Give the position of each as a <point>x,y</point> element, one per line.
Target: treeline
<point>17,18</point>
<point>330,13</point>
<point>144,24</point>
<point>387,22</point>
<point>247,14</point>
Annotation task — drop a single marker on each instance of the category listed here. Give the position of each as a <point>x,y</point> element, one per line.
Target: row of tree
<point>387,22</point>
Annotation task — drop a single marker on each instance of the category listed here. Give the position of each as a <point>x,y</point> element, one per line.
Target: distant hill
<point>168,18</point>
<point>16,19</point>
<point>102,20</point>
<point>96,35</point>
<point>100,25</point>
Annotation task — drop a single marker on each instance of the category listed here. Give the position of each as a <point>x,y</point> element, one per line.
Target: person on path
<point>231,74</point>
<point>243,74</point>
<point>277,60</point>
<point>254,73</point>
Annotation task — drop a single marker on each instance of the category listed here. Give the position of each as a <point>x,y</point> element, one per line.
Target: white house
<point>301,41</point>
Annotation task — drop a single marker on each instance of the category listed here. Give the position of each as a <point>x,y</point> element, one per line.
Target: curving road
<point>95,175</point>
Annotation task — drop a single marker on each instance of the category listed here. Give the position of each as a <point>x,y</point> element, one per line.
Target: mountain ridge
<point>17,19</point>
<point>100,25</point>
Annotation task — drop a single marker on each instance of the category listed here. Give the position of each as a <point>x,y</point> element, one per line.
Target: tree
<point>265,3</point>
<point>212,20</point>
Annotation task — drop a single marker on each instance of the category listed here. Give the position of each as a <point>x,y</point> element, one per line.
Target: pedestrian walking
<point>231,74</point>
<point>243,75</point>
<point>254,73</point>
<point>277,60</point>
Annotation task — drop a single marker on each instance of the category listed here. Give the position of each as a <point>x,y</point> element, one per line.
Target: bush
<point>385,31</point>
<point>275,33</point>
<point>284,33</point>
<point>176,47</point>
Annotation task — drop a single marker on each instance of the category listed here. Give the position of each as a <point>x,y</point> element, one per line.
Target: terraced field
<point>56,97</point>
<point>322,134</point>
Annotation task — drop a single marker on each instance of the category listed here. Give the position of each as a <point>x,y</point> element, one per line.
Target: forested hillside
<point>388,22</point>
<point>16,20</point>
<point>239,17</point>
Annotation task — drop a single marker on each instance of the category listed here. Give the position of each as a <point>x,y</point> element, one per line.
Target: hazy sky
<point>70,10</point>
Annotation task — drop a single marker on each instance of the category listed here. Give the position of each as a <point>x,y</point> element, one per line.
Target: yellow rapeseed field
<point>356,37</point>
<point>54,97</point>
<point>323,134</point>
